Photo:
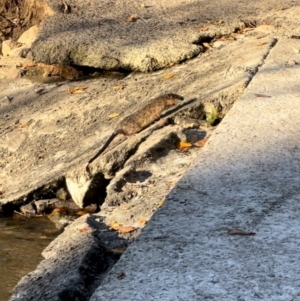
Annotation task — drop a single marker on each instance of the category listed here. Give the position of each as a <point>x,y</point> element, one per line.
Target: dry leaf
<point>235,231</point>
<point>126,229</point>
<point>262,95</point>
<point>201,143</point>
<point>132,18</point>
<point>114,225</point>
<point>114,115</point>
<point>206,45</point>
<point>183,144</point>
<point>119,251</point>
<point>169,75</point>
<point>61,210</point>
<point>121,275</point>
<point>85,230</point>
<point>159,204</point>
<point>81,212</point>
<point>142,221</point>
<point>77,90</point>
<point>261,43</point>
<point>23,126</point>
<point>117,88</point>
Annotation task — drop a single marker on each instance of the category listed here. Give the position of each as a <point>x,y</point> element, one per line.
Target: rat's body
<point>141,119</point>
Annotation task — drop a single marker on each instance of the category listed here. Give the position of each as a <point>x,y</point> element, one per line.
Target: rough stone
<point>13,140</point>
<point>46,206</point>
<point>60,132</point>
<point>216,193</point>
<point>29,36</point>
<point>71,263</point>
<point>7,47</point>
<point>247,177</point>
<point>28,210</point>
<point>19,51</point>
<point>100,33</point>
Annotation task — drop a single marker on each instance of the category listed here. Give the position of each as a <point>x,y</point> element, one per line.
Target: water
<point>21,242</point>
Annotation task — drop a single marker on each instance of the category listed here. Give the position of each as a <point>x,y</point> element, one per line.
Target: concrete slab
<point>247,177</point>
<point>45,136</point>
<point>143,36</point>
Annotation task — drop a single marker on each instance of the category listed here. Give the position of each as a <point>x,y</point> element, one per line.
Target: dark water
<point>21,243</point>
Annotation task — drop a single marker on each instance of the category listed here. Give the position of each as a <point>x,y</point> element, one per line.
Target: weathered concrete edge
<point>74,263</point>
<point>184,240</point>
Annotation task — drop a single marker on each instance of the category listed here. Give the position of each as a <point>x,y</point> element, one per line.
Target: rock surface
<point>72,264</point>
<point>146,36</point>
<point>59,132</point>
<point>247,177</point>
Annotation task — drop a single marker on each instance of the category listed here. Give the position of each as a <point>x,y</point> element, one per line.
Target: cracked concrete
<point>63,131</point>
<point>98,33</point>
<point>184,252</point>
<point>247,177</point>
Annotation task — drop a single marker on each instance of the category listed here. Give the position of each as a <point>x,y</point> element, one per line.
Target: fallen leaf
<point>201,143</point>
<point>119,87</point>
<point>114,225</point>
<point>206,45</point>
<point>183,144</point>
<point>126,229</point>
<point>114,115</point>
<point>143,221</point>
<point>169,75</point>
<point>57,211</point>
<point>159,204</point>
<point>116,250</point>
<point>235,231</point>
<point>132,18</point>
<point>77,90</point>
<point>81,212</point>
<point>262,95</point>
<point>85,230</point>
<point>23,126</point>
<point>261,43</point>
<point>121,275</point>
